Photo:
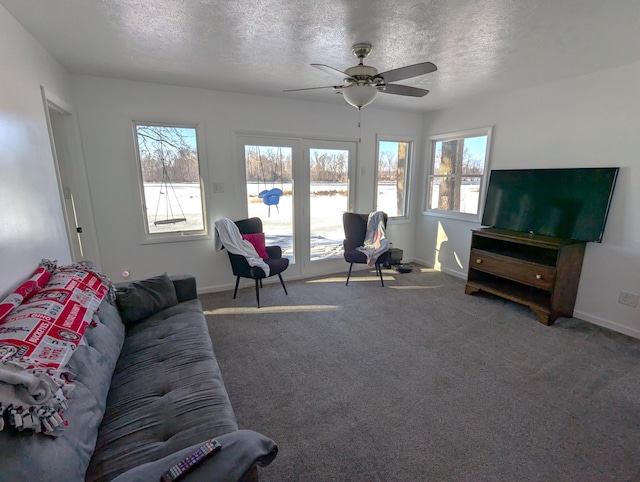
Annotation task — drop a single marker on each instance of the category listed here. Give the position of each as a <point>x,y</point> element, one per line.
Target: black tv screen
<point>565,203</point>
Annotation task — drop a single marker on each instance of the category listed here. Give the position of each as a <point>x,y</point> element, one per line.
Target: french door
<point>329,170</point>
<point>300,188</point>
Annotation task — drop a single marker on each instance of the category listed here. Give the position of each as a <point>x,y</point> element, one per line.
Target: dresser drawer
<point>526,272</point>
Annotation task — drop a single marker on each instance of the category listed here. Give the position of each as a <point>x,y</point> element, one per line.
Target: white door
<point>59,147</point>
<point>300,188</point>
<point>329,169</point>
<point>72,179</point>
<point>269,165</point>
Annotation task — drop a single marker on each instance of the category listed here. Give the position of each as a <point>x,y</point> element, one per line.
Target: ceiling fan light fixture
<point>361,83</point>
<point>359,95</point>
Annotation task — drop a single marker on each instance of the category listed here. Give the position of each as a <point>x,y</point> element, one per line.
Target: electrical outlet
<point>629,299</point>
<point>218,187</point>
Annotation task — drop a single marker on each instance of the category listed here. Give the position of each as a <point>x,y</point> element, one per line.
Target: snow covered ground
<point>327,203</point>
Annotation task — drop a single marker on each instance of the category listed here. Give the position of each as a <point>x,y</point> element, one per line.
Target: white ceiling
<point>266,46</point>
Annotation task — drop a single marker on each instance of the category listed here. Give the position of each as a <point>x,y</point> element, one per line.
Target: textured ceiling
<point>266,46</point>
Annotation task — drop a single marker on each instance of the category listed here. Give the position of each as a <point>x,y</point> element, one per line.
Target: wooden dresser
<point>540,272</point>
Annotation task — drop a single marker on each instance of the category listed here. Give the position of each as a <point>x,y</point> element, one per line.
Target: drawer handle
<point>538,276</point>
<point>479,261</point>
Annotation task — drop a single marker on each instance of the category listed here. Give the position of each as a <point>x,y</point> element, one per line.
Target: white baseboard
<point>216,288</point>
<point>417,260</point>
<point>625,330</point>
<point>457,274</point>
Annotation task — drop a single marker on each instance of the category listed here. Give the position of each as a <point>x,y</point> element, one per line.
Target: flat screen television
<point>564,203</point>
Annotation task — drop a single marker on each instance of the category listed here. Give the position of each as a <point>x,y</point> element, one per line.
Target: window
<point>171,181</point>
<point>392,182</point>
<point>458,170</point>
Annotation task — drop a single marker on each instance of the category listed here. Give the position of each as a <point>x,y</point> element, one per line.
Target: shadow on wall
<point>446,259</point>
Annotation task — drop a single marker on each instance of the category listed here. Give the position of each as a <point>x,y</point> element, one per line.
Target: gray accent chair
<point>355,231</point>
<point>240,266</point>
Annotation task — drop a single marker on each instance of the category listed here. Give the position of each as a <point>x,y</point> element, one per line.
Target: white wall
<point>31,219</point>
<point>106,109</point>
<point>584,122</point>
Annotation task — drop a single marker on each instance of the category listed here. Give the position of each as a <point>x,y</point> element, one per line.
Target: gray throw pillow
<point>140,299</point>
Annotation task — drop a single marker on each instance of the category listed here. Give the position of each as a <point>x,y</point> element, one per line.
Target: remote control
<point>176,472</point>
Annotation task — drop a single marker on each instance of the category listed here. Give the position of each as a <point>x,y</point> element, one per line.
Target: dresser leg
<point>544,317</point>
<point>469,290</point>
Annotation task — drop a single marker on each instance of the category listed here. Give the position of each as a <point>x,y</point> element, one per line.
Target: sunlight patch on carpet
<point>271,309</point>
<point>356,279</point>
<point>428,270</point>
<point>327,280</point>
<point>415,287</point>
<point>353,278</point>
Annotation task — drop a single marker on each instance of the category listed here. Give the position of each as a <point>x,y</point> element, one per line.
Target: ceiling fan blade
<point>408,71</point>
<point>335,87</point>
<point>331,71</point>
<point>404,90</point>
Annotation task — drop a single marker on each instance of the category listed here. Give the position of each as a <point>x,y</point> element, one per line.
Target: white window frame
<point>181,235</point>
<point>477,132</point>
<point>408,169</point>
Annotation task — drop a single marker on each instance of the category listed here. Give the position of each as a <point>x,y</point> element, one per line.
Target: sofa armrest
<point>241,451</point>
<point>185,285</point>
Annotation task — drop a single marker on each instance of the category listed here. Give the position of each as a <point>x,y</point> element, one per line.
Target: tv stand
<point>540,272</point>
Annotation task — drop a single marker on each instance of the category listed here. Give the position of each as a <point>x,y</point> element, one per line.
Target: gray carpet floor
<point>418,381</point>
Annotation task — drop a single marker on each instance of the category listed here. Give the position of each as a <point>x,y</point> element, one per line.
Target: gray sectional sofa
<point>147,392</point>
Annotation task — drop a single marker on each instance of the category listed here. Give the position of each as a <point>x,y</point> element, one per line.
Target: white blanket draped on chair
<point>375,241</point>
<point>227,235</point>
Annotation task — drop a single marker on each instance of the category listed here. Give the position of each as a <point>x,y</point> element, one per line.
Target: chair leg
<point>260,282</point>
<point>349,274</point>
<point>379,269</point>
<point>282,283</point>
<point>258,293</point>
<point>235,292</point>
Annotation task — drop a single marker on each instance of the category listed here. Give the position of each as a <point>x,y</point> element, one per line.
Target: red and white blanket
<point>37,338</point>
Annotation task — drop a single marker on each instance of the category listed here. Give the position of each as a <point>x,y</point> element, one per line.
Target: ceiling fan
<point>361,83</point>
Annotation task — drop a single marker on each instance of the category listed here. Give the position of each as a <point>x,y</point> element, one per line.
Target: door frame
<point>71,174</point>
<point>303,267</point>
<point>325,266</point>
<point>242,139</point>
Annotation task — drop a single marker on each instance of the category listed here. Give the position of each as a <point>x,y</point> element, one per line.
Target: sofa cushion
<point>166,394</point>
<point>140,299</point>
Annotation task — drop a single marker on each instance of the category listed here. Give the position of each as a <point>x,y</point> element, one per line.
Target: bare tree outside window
<point>392,177</point>
<point>171,181</point>
<point>268,166</point>
<point>458,170</point>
